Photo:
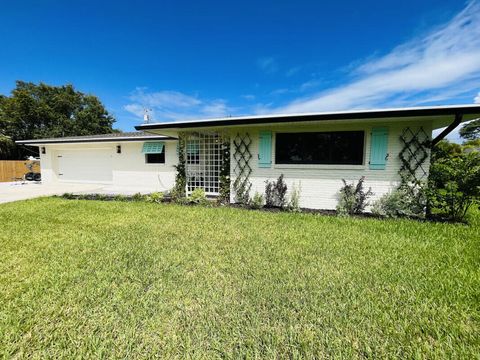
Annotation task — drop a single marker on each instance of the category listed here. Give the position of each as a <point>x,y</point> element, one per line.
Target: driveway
<point>10,191</point>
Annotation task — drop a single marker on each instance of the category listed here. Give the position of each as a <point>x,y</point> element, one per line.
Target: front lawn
<point>92,279</point>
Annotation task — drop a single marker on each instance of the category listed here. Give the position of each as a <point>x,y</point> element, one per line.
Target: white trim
<point>92,140</point>
<point>322,113</point>
<point>319,167</point>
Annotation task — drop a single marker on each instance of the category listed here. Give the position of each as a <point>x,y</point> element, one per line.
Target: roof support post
<point>448,129</point>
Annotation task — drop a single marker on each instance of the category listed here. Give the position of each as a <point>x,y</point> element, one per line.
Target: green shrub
<point>353,198</point>
<point>155,197</point>
<point>275,193</point>
<point>198,197</point>
<point>181,200</point>
<point>138,197</point>
<point>120,197</point>
<point>257,201</point>
<point>454,185</point>
<point>241,190</point>
<point>403,201</point>
<point>294,202</point>
<point>69,196</point>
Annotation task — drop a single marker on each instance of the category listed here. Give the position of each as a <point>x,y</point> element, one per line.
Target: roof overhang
<point>440,116</point>
<point>115,140</point>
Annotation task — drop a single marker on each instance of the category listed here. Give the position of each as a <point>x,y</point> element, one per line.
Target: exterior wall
<point>320,184</point>
<point>47,167</point>
<point>129,169</point>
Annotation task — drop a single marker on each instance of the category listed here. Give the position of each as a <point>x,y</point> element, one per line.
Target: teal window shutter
<point>265,149</point>
<point>379,148</point>
<point>152,147</point>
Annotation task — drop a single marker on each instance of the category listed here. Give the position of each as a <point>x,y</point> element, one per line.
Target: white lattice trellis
<point>203,163</point>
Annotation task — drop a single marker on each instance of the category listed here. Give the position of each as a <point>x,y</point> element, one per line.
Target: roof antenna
<point>146,115</point>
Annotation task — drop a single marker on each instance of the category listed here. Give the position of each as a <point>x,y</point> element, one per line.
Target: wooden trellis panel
<point>242,170</point>
<point>414,153</point>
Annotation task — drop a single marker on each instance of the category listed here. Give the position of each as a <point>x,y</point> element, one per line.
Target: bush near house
<point>408,200</point>
<point>95,279</point>
<point>257,201</point>
<point>353,198</point>
<point>276,193</point>
<point>454,184</point>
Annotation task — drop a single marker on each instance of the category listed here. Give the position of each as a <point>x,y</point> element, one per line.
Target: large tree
<point>471,130</point>
<point>35,111</point>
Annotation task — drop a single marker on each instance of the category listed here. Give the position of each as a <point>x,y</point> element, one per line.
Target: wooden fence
<point>10,169</point>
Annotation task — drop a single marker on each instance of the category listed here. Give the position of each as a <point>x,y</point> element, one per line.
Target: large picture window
<point>339,147</point>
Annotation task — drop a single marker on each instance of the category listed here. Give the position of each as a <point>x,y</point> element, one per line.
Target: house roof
<point>113,137</point>
<point>434,112</point>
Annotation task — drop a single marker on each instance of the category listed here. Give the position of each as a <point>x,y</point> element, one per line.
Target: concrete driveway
<point>10,191</point>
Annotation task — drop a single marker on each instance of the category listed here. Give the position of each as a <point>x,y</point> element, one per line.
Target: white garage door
<point>92,165</point>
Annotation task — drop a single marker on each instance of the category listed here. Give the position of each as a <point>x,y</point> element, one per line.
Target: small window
<point>155,158</point>
<point>338,148</point>
<point>154,152</point>
<point>43,150</point>
<point>193,153</point>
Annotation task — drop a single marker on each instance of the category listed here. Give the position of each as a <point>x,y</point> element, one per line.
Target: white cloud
<point>249,97</point>
<point>268,65</point>
<point>279,91</point>
<point>173,105</point>
<point>476,100</point>
<point>309,84</point>
<point>217,108</point>
<point>448,56</point>
<point>292,71</point>
<point>163,98</point>
<point>135,109</point>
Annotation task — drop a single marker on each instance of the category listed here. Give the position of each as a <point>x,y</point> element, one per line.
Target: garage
<point>92,165</point>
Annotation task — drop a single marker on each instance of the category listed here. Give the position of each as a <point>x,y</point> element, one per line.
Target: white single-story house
<point>313,151</point>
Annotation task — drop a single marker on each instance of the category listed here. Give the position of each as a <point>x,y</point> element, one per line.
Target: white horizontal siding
<point>320,184</point>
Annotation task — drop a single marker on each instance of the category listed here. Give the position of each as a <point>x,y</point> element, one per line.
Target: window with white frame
<point>193,152</point>
<point>154,152</point>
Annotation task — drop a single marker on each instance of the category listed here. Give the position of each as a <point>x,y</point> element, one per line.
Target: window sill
<point>319,167</point>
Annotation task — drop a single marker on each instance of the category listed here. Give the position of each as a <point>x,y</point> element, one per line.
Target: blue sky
<point>201,59</point>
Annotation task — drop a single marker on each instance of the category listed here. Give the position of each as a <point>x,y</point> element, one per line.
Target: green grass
<point>135,280</point>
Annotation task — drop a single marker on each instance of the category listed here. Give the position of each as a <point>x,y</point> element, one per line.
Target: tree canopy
<point>471,130</point>
<point>35,111</point>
